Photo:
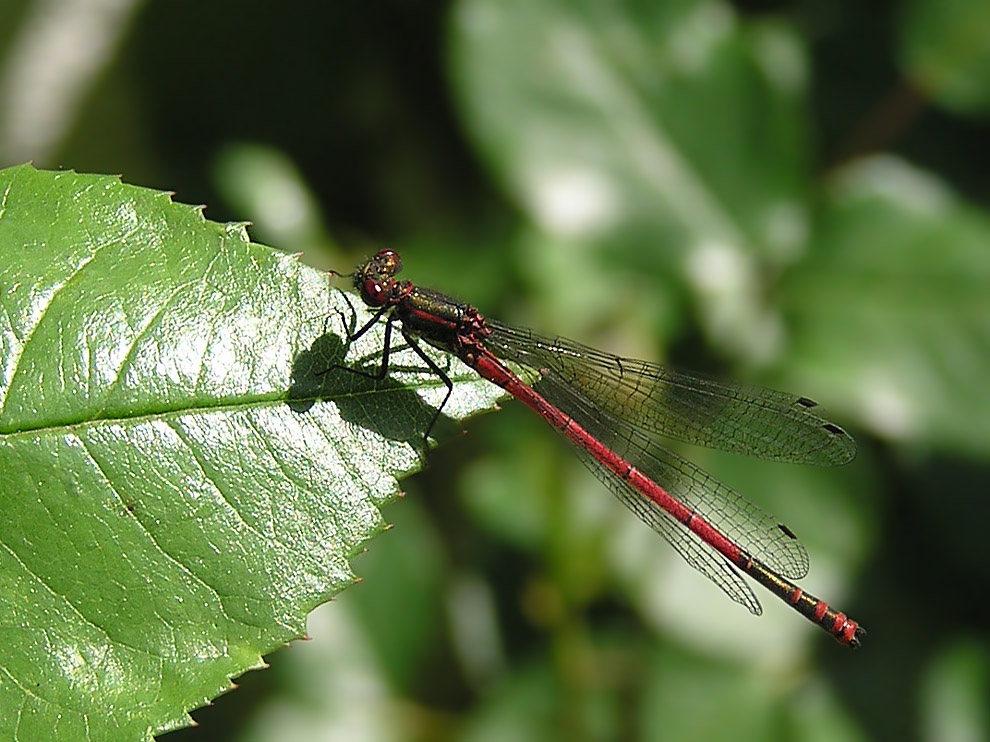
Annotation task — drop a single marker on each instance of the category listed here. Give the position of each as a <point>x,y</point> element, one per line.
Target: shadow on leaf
<point>385,406</point>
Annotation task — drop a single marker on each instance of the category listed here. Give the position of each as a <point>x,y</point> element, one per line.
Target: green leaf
<point>657,146</point>
<point>182,479</point>
<point>748,702</point>
<point>890,312</point>
<point>672,116</point>
<point>945,49</point>
<point>953,692</point>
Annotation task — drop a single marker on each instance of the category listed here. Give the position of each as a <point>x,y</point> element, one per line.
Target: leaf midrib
<point>258,402</point>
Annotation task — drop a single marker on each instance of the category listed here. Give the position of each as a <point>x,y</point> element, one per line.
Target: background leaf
<point>906,267</point>
<point>631,125</point>
<point>946,51</point>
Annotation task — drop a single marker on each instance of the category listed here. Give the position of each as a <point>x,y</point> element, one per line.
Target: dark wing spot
<point>805,402</point>
<point>834,429</point>
<point>786,531</point>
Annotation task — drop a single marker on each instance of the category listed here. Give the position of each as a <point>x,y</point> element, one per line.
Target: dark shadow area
<point>384,406</point>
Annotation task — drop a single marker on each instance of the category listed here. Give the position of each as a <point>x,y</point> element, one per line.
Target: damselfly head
<point>384,265</point>
<point>376,278</point>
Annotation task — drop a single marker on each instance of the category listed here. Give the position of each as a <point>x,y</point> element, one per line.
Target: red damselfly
<point>610,407</point>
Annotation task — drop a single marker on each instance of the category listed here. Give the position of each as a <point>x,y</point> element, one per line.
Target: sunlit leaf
<point>184,475</point>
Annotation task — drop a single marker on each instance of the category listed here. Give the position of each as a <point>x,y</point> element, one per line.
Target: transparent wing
<point>742,522</point>
<point>684,541</point>
<point>741,419</point>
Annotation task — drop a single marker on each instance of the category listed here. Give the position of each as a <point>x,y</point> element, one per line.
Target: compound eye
<point>390,261</point>
<point>373,293</point>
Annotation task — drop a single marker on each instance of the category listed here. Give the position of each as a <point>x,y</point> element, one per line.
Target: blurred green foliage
<point>786,192</point>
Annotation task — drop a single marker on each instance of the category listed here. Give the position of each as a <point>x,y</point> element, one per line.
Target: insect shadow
<point>385,406</point>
